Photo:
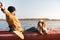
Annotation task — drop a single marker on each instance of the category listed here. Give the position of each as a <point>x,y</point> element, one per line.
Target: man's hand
<point>1,5</point>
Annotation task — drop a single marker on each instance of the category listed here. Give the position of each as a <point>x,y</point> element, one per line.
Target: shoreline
<point>35,19</point>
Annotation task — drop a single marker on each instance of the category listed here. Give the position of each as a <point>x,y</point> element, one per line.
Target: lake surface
<point>26,24</point>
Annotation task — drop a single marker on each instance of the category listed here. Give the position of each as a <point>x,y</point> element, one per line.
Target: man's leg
<point>19,34</point>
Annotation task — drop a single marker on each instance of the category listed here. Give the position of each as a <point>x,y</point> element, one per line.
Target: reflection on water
<point>29,23</point>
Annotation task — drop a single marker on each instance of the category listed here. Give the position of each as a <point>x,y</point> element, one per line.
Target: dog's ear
<point>1,4</point>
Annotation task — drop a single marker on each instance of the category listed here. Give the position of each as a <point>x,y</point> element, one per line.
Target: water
<point>26,24</point>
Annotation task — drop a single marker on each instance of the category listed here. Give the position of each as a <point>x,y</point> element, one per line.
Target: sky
<point>34,8</point>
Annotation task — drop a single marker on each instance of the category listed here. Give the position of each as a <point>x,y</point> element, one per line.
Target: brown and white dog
<point>41,27</point>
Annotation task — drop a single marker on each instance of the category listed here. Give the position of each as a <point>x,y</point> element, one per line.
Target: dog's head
<point>41,23</point>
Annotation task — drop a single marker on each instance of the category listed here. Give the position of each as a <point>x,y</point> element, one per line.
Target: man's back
<point>12,20</point>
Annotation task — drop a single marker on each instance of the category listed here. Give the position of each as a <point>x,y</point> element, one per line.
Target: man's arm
<point>4,10</point>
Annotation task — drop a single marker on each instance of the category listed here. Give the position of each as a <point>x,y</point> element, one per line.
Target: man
<point>41,27</point>
<point>12,21</point>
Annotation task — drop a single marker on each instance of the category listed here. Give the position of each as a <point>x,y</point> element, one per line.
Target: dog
<point>41,27</point>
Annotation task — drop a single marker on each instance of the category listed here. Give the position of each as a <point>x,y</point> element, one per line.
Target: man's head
<point>12,10</point>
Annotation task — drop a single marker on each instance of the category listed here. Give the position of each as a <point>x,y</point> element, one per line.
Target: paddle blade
<point>19,34</point>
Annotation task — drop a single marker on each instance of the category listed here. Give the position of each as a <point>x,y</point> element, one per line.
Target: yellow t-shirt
<point>12,20</point>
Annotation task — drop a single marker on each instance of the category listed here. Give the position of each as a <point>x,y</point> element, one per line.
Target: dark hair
<point>11,9</point>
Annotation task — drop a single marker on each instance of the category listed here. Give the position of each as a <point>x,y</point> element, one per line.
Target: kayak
<point>5,35</point>
<point>53,34</point>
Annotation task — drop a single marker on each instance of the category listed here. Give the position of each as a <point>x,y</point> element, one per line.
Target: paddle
<point>19,34</point>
